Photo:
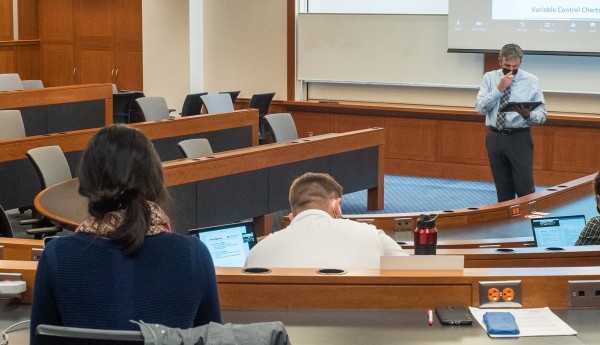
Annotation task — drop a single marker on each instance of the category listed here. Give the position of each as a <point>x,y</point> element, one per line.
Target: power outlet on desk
<point>36,254</point>
<point>500,294</point>
<point>584,293</point>
<point>404,224</point>
<point>12,285</point>
<point>532,207</point>
<point>514,210</point>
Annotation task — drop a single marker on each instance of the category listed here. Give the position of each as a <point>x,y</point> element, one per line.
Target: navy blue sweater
<point>85,281</point>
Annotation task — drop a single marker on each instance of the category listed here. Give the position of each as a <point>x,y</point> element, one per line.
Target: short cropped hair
<point>313,190</point>
<point>511,51</point>
<point>597,184</point>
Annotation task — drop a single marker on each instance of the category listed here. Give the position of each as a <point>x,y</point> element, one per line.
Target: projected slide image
<point>544,26</point>
<point>228,247</point>
<point>546,10</point>
<point>558,232</point>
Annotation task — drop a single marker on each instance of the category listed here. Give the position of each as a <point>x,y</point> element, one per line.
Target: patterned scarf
<point>105,226</point>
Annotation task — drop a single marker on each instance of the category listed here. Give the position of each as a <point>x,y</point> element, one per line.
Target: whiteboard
<point>386,49</point>
<point>412,50</point>
<point>378,6</point>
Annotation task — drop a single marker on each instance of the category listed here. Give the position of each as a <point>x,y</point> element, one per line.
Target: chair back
<point>195,148</point>
<point>233,94</point>
<point>261,101</point>
<point>115,89</point>
<point>135,113</point>
<point>282,126</point>
<point>10,82</point>
<point>32,84</point>
<point>217,103</point>
<point>153,108</point>
<point>50,164</point>
<point>11,125</point>
<point>61,335</point>
<point>121,106</point>
<point>212,333</point>
<point>192,105</point>
<point>5,228</point>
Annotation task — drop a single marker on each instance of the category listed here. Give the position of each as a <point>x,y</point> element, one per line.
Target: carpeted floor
<point>417,194</point>
<point>402,194</point>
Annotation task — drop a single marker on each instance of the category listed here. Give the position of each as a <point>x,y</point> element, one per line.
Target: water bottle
<point>425,235</point>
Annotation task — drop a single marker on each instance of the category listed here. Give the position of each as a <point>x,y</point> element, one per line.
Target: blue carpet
<point>419,194</point>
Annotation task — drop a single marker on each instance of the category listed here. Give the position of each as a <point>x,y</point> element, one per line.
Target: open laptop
<point>557,231</point>
<point>228,244</point>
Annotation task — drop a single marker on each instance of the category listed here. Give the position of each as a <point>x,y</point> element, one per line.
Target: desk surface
<point>516,227</point>
<point>365,326</point>
<point>520,226</point>
<point>261,173</point>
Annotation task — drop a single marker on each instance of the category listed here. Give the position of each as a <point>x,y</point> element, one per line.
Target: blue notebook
<point>501,323</point>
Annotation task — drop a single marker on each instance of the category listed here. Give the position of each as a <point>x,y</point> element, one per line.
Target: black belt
<point>508,131</point>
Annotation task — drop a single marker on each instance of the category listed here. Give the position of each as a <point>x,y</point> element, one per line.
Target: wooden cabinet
<point>56,42</point>
<point>6,20</point>
<point>58,66</point>
<point>90,41</point>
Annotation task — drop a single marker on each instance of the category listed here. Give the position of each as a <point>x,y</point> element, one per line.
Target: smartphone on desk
<point>453,316</point>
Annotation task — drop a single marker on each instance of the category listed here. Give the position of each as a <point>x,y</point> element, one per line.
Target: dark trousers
<point>511,160</point>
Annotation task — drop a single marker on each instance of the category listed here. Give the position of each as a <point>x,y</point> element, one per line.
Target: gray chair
<point>11,125</point>
<point>10,82</point>
<point>282,126</point>
<point>52,167</point>
<point>213,333</point>
<point>217,103</point>
<point>7,231</point>
<point>135,113</point>
<point>32,84</point>
<point>114,89</point>
<point>192,105</point>
<point>50,164</point>
<point>122,106</point>
<point>153,108</point>
<point>195,148</point>
<point>54,335</point>
<point>233,94</point>
<point>5,228</point>
<point>262,102</point>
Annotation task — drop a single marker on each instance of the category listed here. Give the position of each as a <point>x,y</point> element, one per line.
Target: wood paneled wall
<point>449,142</point>
<point>6,20</point>
<point>20,57</point>
<point>303,288</point>
<point>28,20</point>
<point>90,41</point>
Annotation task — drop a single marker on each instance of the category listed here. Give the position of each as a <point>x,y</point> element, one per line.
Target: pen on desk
<point>430,316</point>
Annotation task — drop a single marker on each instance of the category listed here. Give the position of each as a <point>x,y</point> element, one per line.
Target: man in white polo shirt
<point>317,237</point>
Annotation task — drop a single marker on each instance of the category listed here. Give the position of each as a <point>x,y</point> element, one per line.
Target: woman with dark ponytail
<point>123,263</point>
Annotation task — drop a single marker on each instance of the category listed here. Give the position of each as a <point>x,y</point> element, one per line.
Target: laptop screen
<point>557,231</point>
<point>228,244</point>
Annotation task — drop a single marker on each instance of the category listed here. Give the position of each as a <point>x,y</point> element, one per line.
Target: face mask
<point>337,213</point>
<point>506,71</point>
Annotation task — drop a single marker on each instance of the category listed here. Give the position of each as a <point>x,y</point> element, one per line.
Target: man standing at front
<point>509,143</point>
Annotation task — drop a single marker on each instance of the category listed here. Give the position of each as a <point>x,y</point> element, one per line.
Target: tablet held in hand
<point>511,106</point>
